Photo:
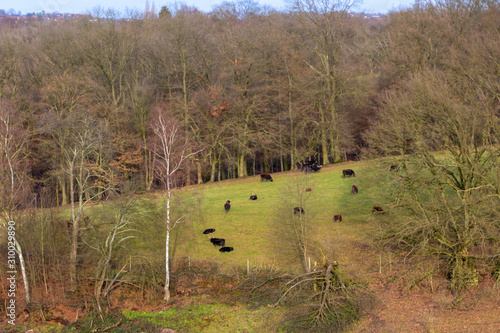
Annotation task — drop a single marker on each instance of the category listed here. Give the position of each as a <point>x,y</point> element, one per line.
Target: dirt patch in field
<point>423,310</point>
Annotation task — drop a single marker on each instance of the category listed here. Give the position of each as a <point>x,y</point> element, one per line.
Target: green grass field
<point>259,232</point>
<point>258,229</point>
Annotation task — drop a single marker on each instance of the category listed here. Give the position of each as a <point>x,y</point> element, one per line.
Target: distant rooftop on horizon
<point>25,7</point>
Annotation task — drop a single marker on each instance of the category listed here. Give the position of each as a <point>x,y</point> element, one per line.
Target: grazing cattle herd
<point>296,210</point>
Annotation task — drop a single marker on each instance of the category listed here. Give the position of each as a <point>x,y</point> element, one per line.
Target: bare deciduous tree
<point>326,30</point>
<point>171,151</point>
<point>88,178</point>
<point>446,203</point>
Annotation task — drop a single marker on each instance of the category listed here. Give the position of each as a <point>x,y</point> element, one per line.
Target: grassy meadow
<point>259,231</point>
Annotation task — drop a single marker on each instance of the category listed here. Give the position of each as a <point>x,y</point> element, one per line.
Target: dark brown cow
<point>337,218</point>
<point>377,209</point>
<point>227,205</point>
<point>354,189</point>
<point>266,177</point>
<point>348,172</point>
<point>309,189</point>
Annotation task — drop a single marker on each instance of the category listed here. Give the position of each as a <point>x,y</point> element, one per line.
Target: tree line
<point>258,90</point>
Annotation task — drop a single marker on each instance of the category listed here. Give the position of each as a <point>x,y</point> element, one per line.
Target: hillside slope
<point>256,231</point>
<point>259,230</point>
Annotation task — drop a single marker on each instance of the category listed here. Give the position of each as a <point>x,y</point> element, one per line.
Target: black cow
<point>337,218</point>
<point>218,241</point>
<point>394,167</point>
<point>315,168</point>
<point>348,172</point>
<point>354,189</point>
<point>226,249</point>
<point>227,205</point>
<point>266,177</point>
<point>310,167</point>
<point>377,209</point>
<point>253,197</point>
<point>208,231</point>
<point>298,210</point>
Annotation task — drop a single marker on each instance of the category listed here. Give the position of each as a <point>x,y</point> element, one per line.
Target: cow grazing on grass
<point>226,249</point>
<point>354,189</point>
<point>253,197</point>
<point>218,241</point>
<point>298,210</point>
<point>377,209</point>
<point>309,189</point>
<point>266,177</point>
<point>208,231</point>
<point>227,205</point>
<point>394,167</point>
<point>337,218</point>
<point>348,172</point>
<point>308,164</point>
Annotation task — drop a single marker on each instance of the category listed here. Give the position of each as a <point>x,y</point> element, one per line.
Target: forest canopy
<point>256,90</point>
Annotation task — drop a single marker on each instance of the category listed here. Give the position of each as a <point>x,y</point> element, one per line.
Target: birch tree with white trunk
<point>13,178</point>
<point>171,151</point>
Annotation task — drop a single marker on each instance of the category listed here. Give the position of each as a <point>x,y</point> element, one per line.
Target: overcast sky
<point>85,6</point>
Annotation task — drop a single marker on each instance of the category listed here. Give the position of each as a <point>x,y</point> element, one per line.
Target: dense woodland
<point>256,90</point>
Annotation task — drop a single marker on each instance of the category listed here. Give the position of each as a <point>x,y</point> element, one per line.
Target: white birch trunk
<point>167,238</point>
<point>19,251</point>
<point>167,246</point>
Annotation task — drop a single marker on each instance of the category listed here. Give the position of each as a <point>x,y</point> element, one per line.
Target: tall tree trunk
<point>167,239</point>
<point>198,172</point>
<point>213,164</point>
<point>58,202</point>
<point>324,136</point>
<point>242,165</point>
<point>22,263</point>
<point>64,191</point>
<point>185,107</point>
<point>293,143</point>
<point>75,218</point>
